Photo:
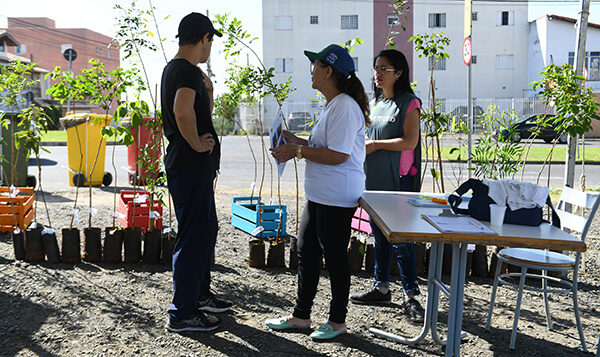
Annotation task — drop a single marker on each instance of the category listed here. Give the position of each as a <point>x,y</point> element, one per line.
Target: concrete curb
<point>63,143</point>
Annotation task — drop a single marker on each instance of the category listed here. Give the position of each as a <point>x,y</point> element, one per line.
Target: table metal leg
<point>457,289</point>
<point>431,308</point>
<point>435,286</point>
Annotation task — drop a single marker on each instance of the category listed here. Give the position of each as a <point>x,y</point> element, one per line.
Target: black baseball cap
<point>196,24</point>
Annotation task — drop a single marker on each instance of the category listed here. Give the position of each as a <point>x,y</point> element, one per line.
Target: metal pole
<point>470,118</point>
<point>70,71</point>
<point>468,13</point>
<point>580,44</point>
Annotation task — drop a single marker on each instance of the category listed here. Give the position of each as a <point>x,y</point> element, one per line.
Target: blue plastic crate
<point>245,217</point>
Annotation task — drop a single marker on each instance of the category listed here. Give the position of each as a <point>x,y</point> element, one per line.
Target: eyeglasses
<point>314,66</point>
<point>383,69</point>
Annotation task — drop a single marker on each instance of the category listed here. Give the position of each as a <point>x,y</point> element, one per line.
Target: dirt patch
<point>120,309</point>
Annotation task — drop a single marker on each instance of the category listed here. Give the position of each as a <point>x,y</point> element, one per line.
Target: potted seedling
<point>66,87</point>
<point>41,240</point>
<point>253,216</point>
<point>113,235</point>
<point>103,88</point>
<point>14,79</point>
<point>154,177</point>
<point>134,37</point>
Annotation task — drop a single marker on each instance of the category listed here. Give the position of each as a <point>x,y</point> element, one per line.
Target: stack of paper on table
<point>458,224</point>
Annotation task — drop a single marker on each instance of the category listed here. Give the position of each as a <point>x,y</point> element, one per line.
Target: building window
<point>2,48</point>
<point>473,59</point>
<point>284,65</point>
<point>22,49</point>
<point>591,62</point>
<point>108,54</point>
<point>355,59</point>
<point>314,20</point>
<point>392,20</point>
<point>437,20</point>
<point>505,18</point>
<point>283,23</point>
<point>474,16</point>
<point>440,64</point>
<point>505,62</point>
<point>349,22</point>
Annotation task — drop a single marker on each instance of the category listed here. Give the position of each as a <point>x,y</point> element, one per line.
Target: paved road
<point>239,170</point>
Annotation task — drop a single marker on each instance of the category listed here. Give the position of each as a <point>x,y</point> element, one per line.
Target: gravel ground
<point>100,309</point>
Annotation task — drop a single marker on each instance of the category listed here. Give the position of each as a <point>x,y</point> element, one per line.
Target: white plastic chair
<point>545,261</point>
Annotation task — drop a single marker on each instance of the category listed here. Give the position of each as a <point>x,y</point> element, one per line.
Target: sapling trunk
<point>114,219</point>
<point>37,158</point>
<point>12,203</point>
<point>77,183</point>
<point>92,172</point>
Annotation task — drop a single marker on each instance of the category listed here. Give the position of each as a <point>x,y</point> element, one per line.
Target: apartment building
<point>500,32</point>
<point>290,27</point>
<point>8,41</point>
<point>499,37</point>
<point>552,40</point>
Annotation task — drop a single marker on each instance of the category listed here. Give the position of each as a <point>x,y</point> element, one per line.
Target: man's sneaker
<point>197,321</point>
<point>413,309</point>
<point>211,303</point>
<point>372,297</point>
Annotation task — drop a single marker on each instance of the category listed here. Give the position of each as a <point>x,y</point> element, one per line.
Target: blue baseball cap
<point>335,56</point>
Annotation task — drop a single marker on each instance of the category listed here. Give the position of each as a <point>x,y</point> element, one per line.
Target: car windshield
<point>300,115</point>
<point>538,118</point>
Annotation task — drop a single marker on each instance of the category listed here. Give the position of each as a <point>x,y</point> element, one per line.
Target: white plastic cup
<point>497,214</point>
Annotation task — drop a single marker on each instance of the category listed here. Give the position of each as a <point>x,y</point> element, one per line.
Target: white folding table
<point>400,221</point>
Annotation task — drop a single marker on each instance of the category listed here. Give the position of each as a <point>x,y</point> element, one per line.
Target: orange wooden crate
<point>23,208</point>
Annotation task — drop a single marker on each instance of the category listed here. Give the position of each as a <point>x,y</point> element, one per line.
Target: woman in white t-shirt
<point>334,181</point>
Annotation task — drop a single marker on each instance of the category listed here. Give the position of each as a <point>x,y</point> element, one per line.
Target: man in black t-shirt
<point>191,164</point>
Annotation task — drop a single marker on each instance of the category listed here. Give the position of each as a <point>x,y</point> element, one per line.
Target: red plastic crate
<point>142,211</point>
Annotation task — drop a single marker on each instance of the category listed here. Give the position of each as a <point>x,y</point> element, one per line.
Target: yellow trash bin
<point>84,142</point>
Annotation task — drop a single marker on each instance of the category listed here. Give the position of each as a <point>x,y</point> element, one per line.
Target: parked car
<point>528,127</point>
<point>461,111</point>
<point>299,121</point>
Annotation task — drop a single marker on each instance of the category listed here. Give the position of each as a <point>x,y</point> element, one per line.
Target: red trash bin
<point>138,172</point>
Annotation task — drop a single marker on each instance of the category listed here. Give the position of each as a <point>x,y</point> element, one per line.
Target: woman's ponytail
<point>352,86</point>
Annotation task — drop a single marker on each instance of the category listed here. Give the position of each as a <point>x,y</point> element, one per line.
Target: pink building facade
<point>381,28</point>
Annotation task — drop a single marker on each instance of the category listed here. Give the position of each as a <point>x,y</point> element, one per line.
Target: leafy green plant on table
<point>258,84</point>
<point>574,103</point>
<point>432,46</point>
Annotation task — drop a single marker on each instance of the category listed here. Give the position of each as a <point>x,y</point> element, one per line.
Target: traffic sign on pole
<point>467,51</point>
<point>70,54</point>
